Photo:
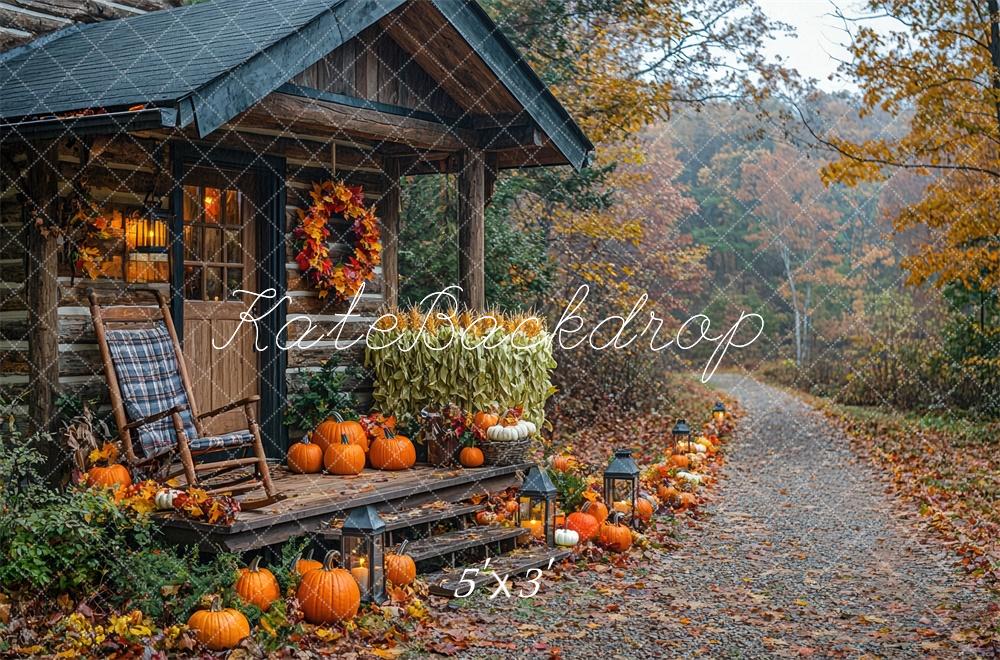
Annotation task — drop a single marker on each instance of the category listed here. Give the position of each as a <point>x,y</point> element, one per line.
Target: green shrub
<point>319,396</point>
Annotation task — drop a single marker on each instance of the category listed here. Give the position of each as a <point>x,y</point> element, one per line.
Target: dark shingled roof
<point>207,62</point>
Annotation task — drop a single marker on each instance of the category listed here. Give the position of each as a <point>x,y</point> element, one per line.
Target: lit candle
<point>536,528</point>
<point>360,574</point>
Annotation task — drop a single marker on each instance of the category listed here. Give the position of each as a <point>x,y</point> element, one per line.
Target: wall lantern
<point>537,505</point>
<point>146,232</point>
<point>362,545</point>
<point>621,483</point>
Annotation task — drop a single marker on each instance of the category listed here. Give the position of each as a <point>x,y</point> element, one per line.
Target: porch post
<point>472,228</point>
<point>42,286</point>
<point>390,232</point>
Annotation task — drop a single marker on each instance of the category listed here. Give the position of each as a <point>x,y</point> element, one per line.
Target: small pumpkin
<point>566,538</point>
<point>613,535</point>
<point>305,564</point>
<point>164,498</point>
<point>583,524</point>
<point>400,568</point>
<point>597,509</point>
<point>562,463</point>
<point>644,509</point>
<point>305,457</point>
<point>688,500</point>
<point>485,420</point>
<point>344,458</point>
<point>328,594</point>
<point>511,506</point>
<point>680,461</point>
<point>502,433</point>
<point>257,586</point>
<point>668,494</point>
<point>392,452</point>
<point>485,518</point>
<point>217,628</point>
<point>471,457</point>
<point>109,476</point>
<point>332,430</point>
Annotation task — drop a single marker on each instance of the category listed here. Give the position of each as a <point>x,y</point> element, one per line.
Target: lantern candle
<point>719,412</point>
<point>536,528</point>
<point>360,573</point>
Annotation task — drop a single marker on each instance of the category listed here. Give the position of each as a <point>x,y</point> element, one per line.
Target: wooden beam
<point>287,112</point>
<point>472,229</point>
<point>390,208</point>
<point>42,285</point>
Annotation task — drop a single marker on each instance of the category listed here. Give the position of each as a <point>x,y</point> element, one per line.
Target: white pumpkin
<point>690,477</point>
<point>700,449</point>
<point>566,538</point>
<point>502,433</point>
<point>532,429</point>
<point>522,429</point>
<point>164,499</point>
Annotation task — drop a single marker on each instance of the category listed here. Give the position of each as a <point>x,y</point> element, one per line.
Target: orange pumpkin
<point>583,524</point>
<point>305,457</point>
<point>562,463</point>
<point>257,586</point>
<point>332,430</point>
<point>217,628</point>
<point>485,420</point>
<point>680,461</point>
<point>328,594</point>
<point>613,535</point>
<point>596,509</point>
<point>344,458</point>
<point>392,452</point>
<point>668,494</point>
<point>511,506</point>
<point>110,476</point>
<point>485,518</point>
<point>305,564</point>
<point>400,568</point>
<point>644,509</point>
<point>471,457</point>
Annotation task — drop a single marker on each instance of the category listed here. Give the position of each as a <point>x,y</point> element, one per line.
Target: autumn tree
<point>941,67</point>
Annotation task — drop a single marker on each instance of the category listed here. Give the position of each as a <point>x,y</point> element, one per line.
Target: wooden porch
<point>314,500</point>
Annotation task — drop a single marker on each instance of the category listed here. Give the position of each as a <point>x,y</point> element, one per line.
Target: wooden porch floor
<point>314,499</point>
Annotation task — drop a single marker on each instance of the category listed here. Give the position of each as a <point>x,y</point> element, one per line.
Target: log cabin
<point>201,130</point>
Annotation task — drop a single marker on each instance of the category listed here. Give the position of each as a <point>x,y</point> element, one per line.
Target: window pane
<point>192,282</point>
<point>192,203</point>
<point>192,243</point>
<point>213,283</point>
<point>213,204</point>
<point>234,251</point>
<point>234,281</point>
<point>231,208</point>
<point>213,244</point>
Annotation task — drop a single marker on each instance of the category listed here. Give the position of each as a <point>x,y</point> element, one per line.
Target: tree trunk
<point>787,260</point>
<point>994,46</point>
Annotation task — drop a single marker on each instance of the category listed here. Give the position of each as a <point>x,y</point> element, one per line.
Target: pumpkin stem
<point>216,603</point>
<point>337,416</point>
<point>616,517</point>
<point>254,566</point>
<point>330,560</point>
<point>402,546</point>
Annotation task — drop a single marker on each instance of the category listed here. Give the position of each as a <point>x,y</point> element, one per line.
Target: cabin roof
<point>206,63</point>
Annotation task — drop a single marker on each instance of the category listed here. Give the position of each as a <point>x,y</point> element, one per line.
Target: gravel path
<point>799,554</point>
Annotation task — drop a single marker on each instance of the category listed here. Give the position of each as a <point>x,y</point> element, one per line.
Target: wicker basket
<point>506,452</point>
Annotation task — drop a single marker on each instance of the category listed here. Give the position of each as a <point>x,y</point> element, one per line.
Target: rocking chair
<point>153,404</point>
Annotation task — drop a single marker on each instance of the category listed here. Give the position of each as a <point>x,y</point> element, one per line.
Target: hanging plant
<point>333,199</point>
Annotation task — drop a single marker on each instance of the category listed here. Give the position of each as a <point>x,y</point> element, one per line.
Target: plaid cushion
<point>150,382</point>
<point>225,441</point>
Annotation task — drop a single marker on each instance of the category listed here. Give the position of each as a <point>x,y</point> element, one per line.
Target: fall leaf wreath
<point>333,199</point>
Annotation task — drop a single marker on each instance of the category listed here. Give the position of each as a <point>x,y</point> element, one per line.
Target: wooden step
<point>446,582</point>
<point>454,542</point>
<point>425,514</point>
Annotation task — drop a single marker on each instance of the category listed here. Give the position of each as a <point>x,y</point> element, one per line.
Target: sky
<point>820,40</point>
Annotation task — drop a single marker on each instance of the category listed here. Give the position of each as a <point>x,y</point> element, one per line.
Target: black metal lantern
<point>362,547</point>
<point>718,412</point>
<point>146,232</point>
<point>536,509</point>
<point>681,433</point>
<point>621,482</point>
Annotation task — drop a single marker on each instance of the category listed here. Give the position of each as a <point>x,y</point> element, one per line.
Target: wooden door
<point>219,221</point>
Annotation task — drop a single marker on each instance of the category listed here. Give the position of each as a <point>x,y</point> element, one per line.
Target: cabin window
<point>213,243</point>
